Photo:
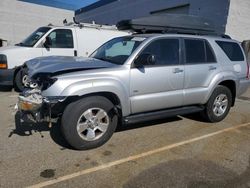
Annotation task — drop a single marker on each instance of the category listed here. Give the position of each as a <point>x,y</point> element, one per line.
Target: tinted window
<point>198,51</point>
<point>166,51</point>
<point>195,51</point>
<point>232,50</point>
<point>209,53</point>
<point>61,38</point>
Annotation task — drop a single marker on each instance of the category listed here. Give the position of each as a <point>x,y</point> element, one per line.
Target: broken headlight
<point>44,81</point>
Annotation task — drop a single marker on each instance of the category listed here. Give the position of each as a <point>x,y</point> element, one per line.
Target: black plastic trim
<point>148,116</point>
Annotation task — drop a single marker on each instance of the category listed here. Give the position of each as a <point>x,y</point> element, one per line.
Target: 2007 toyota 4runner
<point>135,78</point>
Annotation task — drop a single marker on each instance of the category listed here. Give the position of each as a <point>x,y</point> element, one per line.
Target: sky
<point>65,4</point>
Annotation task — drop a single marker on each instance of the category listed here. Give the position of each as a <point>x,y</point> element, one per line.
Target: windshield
<point>34,37</point>
<point>117,50</point>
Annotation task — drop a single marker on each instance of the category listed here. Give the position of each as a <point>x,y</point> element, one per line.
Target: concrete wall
<point>238,23</point>
<point>216,10</point>
<point>18,19</point>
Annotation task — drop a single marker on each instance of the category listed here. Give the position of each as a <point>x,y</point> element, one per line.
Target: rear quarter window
<point>232,50</point>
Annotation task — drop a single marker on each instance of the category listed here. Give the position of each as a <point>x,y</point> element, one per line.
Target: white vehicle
<point>72,40</point>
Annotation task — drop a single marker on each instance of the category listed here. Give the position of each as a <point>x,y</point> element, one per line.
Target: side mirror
<point>145,59</point>
<point>47,43</point>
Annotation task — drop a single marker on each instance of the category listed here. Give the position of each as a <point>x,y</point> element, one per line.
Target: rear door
<point>158,86</point>
<point>200,68</point>
<point>62,43</point>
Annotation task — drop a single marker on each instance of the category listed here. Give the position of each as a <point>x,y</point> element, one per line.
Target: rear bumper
<point>243,86</point>
<point>6,77</point>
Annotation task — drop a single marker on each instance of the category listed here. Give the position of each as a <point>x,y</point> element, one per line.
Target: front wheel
<point>89,122</point>
<point>21,80</point>
<point>218,104</point>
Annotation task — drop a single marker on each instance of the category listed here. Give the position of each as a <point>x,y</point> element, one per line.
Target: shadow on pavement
<point>5,88</point>
<point>190,173</point>
<point>195,117</point>
<point>27,129</point>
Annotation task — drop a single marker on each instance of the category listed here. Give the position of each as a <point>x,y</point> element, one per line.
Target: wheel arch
<point>231,85</point>
<point>109,95</point>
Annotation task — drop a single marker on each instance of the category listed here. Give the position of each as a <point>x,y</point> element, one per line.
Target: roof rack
<point>171,23</point>
<point>89,25</point>
<point>85,25</point>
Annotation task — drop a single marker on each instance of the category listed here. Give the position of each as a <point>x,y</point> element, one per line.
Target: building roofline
<point>94,6</point>
<point>51,3</point>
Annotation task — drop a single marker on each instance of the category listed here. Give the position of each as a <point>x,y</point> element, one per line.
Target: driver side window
<point>165,51</point>
<point>61,38</point>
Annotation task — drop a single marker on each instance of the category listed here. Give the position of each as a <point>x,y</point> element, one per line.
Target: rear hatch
<point>246,47</point>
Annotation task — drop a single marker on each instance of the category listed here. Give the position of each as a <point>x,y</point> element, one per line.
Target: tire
<point>218,104</point>
<point>85,133</point>
<point>18,81</point>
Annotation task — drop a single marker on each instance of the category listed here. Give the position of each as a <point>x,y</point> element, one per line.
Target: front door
<point>61,43</point>
<point>158,86</point>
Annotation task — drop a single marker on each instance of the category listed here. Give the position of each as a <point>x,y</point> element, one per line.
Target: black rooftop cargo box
<point>170,23</point>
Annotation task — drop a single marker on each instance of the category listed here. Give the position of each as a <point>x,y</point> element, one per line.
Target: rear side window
<point>232,50</point>
<point>198,51</point>
<point>195,51</point>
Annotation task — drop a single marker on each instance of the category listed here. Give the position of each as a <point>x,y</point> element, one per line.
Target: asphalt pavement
<point>174,152</point>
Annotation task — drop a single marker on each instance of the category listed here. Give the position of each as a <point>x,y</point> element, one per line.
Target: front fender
<point>90,86</point>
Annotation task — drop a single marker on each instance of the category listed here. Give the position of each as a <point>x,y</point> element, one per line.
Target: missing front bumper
<point>36,108</point>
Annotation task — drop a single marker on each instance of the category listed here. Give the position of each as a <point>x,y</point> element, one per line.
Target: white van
<point>74,40</point>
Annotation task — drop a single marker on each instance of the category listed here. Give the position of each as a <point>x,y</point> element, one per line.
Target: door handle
<point>177,70</point>
<point>212,68</point>
<point>75,52</point>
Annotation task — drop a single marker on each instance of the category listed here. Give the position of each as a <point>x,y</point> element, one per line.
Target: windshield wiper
<point>102,58</point>
<point>108,60</point>
<point>22,44</point>
<point>19,44</point>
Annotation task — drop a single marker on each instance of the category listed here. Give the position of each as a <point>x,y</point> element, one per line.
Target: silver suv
<point>132,79</point>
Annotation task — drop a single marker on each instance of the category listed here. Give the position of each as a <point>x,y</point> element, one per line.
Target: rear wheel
<point>89,122</point>
<point>218,105</point>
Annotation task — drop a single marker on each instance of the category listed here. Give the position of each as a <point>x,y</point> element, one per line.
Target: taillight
<point>3,62</point>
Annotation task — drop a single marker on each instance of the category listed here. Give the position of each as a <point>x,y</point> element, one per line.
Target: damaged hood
<point>61,64</point>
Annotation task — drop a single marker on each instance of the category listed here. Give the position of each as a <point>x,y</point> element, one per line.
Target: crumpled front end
<point>36,108</point>
<point>32,106</point>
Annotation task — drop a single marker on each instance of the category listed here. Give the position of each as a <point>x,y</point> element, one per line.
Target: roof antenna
<point>65,21</point>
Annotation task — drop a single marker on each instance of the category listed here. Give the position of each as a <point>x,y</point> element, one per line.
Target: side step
<point>148,116</point>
